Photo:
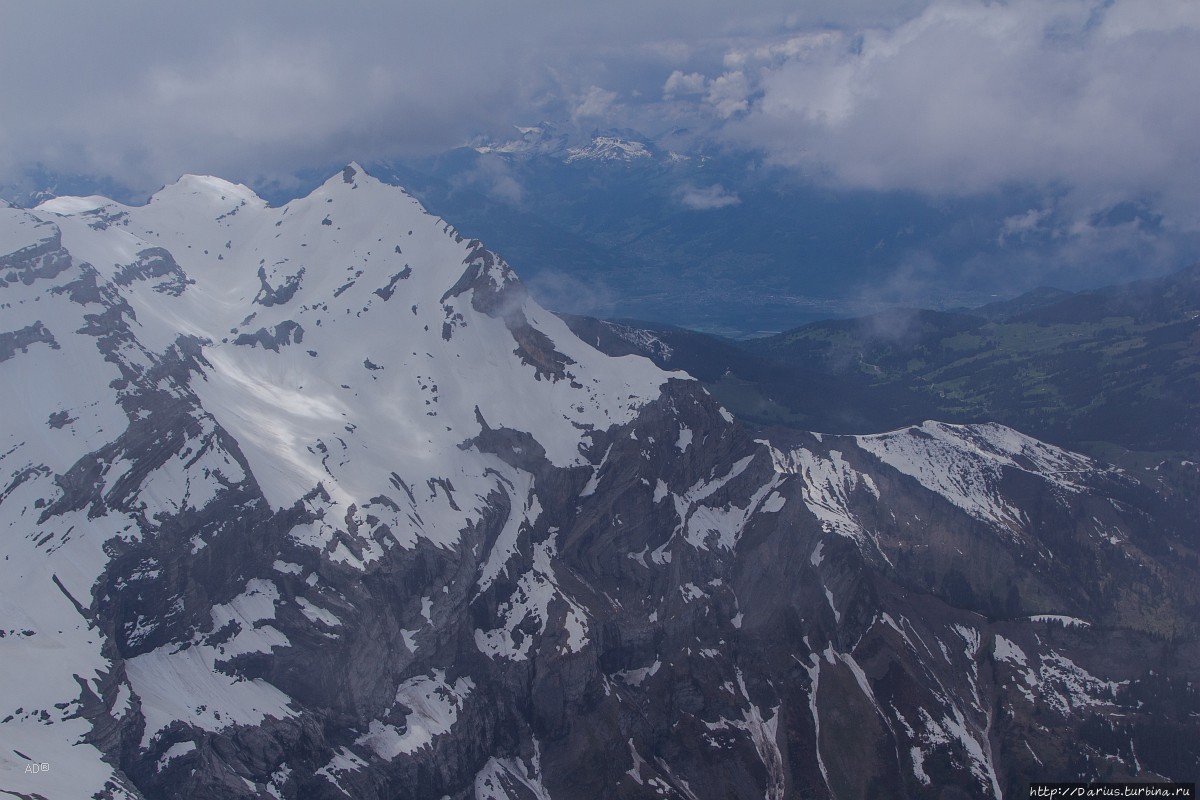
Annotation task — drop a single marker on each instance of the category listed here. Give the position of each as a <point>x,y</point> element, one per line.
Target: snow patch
<point>965,463</point>
<point>685,438</point>
<point>1059,619</point>
<point>434,706</point>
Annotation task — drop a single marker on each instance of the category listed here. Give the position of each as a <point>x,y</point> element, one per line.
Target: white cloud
<point>679,83</point>
<point>707,197</point>
<point>595,103</point>
<point>729,94</point>
<point>970,97</point>
<point>777,52</point>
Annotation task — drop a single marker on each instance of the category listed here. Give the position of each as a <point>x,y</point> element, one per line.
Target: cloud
<point>1018,225</point>
<point>790,48</point>
<point>969,97</point>
<point>708,197</point>
<point>1090,100</point>
<point>596,103</point>
<point>680,84</point>
<point>260,91</point>
<point>563,292</point>
<point>1038,247</point>
<point>729,94</point>
<point>244,102</point>
<point>495,177</point>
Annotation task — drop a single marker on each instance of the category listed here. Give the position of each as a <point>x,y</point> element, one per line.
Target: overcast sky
<point>1095,99</point>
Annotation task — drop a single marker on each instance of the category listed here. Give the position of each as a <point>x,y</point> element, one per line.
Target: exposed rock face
<point>452,550</point>
<point>13,342</point>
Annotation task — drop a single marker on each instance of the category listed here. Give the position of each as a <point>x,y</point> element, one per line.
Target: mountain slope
<point>314,501</point>
<point>1067,367</point>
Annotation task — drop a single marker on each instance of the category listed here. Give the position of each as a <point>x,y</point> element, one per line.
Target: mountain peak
<point>72,205</point>
<point>353,177</point>
<point>209,189</point>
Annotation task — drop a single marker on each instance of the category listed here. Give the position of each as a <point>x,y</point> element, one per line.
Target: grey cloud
<point>246,102</point>
<point>495,177</point>
<point>563,292</point>
<point>142,92</point>
<point>1019,225</point>
<point>1041,247</point>
<point>1091,99</point>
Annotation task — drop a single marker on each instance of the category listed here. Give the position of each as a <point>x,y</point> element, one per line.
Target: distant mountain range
<point>684,231</point>
<point>546,140</point>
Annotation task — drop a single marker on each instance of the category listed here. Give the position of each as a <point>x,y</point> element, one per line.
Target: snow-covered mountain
<point>548,140</point>
<point>314,501</point>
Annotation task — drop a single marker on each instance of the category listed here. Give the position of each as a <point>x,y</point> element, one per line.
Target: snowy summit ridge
<point>293,302</point>
<point>339,353</point>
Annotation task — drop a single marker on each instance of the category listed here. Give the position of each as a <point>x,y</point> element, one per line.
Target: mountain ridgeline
<point>315,501</point>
